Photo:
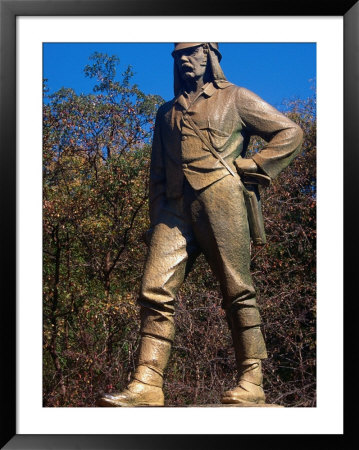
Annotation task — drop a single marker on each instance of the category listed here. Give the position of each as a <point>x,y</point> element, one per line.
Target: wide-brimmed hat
<point>183,45</point>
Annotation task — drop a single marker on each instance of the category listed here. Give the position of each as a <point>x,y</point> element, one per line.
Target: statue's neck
<point>193,88</point>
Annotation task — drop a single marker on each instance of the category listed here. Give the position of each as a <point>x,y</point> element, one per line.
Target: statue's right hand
<point>245,165</point>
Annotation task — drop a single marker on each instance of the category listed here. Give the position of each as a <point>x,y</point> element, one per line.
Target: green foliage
<point>96,152</point>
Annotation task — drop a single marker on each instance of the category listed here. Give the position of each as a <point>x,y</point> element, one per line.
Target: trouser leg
<point>171,253</point>
<point>221,228</point>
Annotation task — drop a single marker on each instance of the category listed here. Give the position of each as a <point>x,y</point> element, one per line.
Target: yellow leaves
<point>96,224</point>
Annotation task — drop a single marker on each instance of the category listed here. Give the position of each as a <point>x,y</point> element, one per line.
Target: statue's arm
<point>157,185</point>
<point>283,136</point>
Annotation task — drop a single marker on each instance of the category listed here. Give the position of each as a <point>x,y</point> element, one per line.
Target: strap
<point>209,145</point>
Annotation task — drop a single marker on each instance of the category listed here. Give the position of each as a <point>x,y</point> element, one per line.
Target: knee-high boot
<point>145,389</point>
<point>249,349</point>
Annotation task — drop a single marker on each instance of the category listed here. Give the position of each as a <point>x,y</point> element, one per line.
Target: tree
<point>96,156</point>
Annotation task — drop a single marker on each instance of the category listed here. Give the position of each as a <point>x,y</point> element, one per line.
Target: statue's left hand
<point>245,165</point>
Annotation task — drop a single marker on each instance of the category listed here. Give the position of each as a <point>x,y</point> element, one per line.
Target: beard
<point>189,75</point>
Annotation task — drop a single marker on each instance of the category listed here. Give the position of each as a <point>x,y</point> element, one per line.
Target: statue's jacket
<point>228,115</point>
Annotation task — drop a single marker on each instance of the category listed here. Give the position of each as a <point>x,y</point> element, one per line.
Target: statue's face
<point>191,62</point>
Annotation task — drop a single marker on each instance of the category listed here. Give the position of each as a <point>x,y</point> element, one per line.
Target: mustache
<point>187,66</point>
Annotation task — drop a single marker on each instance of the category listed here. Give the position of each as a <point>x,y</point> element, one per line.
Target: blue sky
<point>274,71</point>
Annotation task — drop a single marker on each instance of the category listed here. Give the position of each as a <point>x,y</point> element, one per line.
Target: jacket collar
<point>207,90</point>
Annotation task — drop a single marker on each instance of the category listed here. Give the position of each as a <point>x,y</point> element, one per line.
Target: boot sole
<point>234,401</point>
<point>108,403</point>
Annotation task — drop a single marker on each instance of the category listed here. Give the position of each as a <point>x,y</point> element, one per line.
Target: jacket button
<point>184,138</point>
<point>184,165</point>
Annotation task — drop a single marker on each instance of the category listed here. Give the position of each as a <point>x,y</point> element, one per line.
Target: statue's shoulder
<point>164,108</point>
<point>224,84</point>
<point>246,93</point>
<point>228,87</point>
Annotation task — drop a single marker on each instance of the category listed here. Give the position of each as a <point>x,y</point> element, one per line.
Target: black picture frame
<point>9,10</point>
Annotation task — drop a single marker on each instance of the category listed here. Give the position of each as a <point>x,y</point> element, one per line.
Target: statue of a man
<point>197,204</point>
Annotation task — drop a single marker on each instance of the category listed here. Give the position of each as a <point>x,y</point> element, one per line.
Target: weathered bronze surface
<point>197,204</point>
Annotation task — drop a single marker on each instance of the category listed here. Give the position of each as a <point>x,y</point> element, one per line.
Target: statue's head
<point>195,59</point>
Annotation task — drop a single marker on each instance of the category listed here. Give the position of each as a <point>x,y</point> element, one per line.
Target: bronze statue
<point>198,203</point>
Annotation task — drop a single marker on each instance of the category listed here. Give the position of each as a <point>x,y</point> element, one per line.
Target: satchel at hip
<point>254,206</point>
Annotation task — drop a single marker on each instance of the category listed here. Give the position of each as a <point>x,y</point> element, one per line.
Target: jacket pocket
<point>217,138</point>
